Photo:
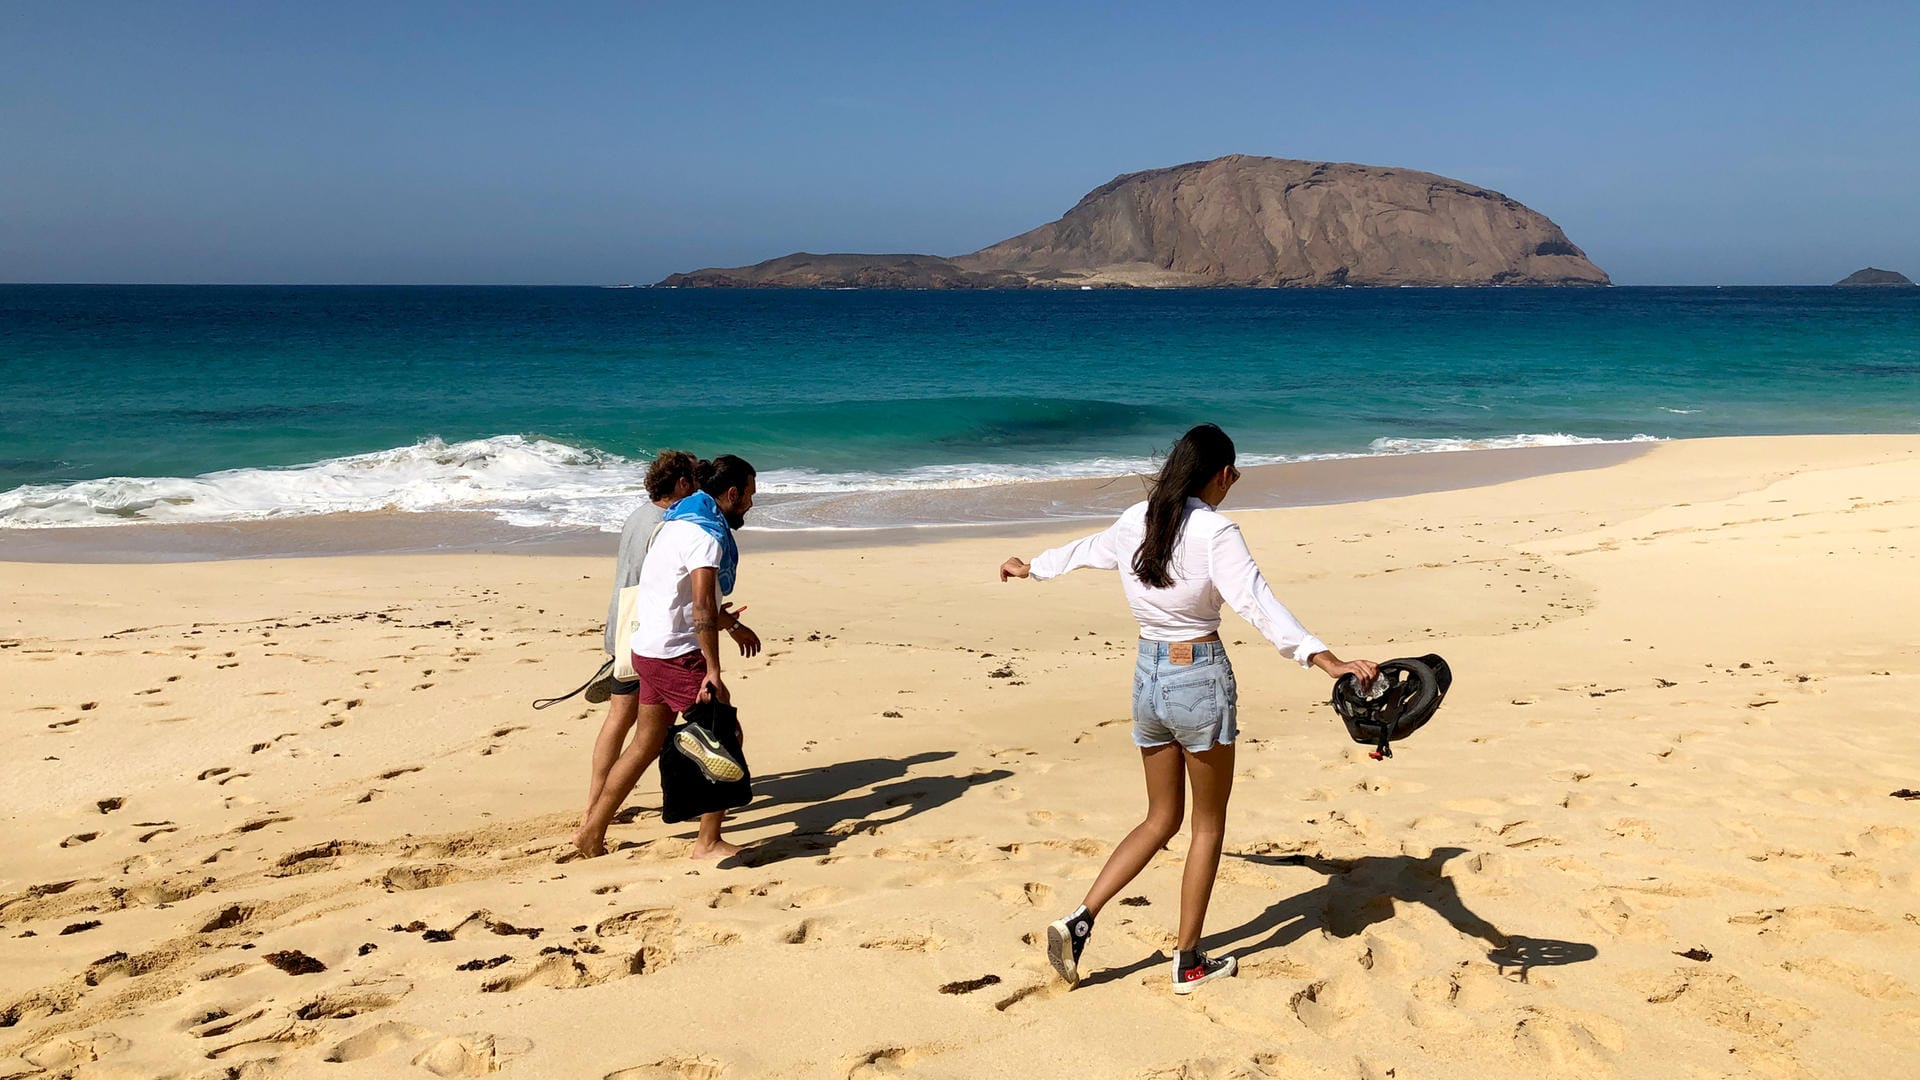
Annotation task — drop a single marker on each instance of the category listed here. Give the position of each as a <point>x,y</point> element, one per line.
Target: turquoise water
<point>126,404</point>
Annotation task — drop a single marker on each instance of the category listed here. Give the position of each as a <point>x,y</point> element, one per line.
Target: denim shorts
<point>1195,705</point>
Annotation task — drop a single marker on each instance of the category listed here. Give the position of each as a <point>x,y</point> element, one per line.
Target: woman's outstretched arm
<point>1096,552</point>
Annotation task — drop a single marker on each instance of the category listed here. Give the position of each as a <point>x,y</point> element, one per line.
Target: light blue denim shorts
<point>1195,705</point>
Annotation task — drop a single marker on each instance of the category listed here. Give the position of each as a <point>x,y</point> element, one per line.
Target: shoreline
<point>1022,509</point>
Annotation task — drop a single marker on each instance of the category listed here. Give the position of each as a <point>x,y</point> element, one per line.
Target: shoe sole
<point>1228,972</point>
<point>712,763</point>
<point>1060,952</point>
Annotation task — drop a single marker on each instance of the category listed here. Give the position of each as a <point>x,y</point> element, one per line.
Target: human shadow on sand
<point>829,804</point>
<point>1360,893</point>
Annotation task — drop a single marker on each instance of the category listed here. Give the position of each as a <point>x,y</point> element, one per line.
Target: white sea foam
<point>1504,442</point>
<point>535,482</point>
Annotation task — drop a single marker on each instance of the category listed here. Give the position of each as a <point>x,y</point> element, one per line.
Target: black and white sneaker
<point>705,751</point>
<point>1188,979</point>
<point>1065,941</point>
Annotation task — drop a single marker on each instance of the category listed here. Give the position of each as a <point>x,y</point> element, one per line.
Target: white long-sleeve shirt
<point>1211,565</point>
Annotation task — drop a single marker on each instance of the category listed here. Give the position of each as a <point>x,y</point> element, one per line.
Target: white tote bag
<point>626,621</point>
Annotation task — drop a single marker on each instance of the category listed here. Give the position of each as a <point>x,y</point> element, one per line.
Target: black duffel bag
<point>685,791</point>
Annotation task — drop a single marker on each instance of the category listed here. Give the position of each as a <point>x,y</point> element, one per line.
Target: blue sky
<point>597,143</point>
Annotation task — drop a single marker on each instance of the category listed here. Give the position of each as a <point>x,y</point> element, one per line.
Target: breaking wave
<point>536,482</point>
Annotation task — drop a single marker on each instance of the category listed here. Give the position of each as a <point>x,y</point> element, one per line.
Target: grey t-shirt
<point>633,552</point>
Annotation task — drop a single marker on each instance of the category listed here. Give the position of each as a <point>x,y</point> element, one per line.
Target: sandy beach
<point>295,817</point>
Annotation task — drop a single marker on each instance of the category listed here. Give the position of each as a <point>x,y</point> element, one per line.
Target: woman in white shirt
<point>1180,560</point>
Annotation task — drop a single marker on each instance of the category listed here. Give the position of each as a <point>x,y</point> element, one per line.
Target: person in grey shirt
<point>670,478</point>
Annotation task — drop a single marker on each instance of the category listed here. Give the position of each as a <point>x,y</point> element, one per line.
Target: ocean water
<point>129,404</point>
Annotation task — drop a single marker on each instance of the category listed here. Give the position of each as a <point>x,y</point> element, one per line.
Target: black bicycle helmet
<point>1401,701</point>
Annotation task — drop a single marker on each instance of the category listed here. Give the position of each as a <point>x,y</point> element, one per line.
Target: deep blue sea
<point>124,404</point>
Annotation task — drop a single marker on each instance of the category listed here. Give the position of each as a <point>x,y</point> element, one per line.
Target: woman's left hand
<point>1013,568</point>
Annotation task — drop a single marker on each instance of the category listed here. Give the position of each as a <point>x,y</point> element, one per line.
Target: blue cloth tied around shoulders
<point>700,509</point>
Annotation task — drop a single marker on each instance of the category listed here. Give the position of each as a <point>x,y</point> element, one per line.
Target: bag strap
<point>605,670</point>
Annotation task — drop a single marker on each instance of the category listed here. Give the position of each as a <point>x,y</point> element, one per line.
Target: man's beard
<point>734,521</point>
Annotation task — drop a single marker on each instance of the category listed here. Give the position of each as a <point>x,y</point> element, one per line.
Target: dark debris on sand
<point>482,965</point>
<point>295,962</point>
<point>968,986</point>
<point>1906,793</point>
<point>1696,953</point>
<point>1134,901</point>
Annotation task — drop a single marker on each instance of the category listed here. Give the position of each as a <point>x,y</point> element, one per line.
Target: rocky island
<point>1232,221</point>
<point>1873,275</point>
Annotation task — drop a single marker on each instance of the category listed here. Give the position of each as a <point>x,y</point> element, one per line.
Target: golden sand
<point>1683,694</point>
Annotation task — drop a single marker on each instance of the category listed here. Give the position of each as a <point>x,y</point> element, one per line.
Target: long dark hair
<point>1191,465</point>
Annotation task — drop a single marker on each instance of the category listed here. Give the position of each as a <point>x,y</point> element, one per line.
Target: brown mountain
<point>1873,275</point>
<point>1234,221</point>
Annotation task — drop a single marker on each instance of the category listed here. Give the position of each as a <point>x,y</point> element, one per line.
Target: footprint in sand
<point>477,1054</point>
<point>558,971</point>
<point>884,1062</point>
<point>414,878</point>
<point>918,943</point>
<point>215,1023</point>
<point>376,1040</point>
<point>1021,995</point>
<point>1330,1006</point>
<point>809,931</point>
<point>1869,984</point>
<point>231,916</point>
<point>814,897</point>
<point>735,894</point>
<point>1038,894</point>
<point>672,1068</point>
<point>67,1052</point>
<point>654,927</point>
<point>713,935</point>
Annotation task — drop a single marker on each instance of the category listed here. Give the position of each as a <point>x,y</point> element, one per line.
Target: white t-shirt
<point>1211,565</point>
<point>664,606</point>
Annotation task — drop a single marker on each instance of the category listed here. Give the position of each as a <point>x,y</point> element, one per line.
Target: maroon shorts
<point>674,683</point>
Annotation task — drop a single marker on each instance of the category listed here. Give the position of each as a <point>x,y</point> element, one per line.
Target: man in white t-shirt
<point>676,648</point>
<point>669,479</point>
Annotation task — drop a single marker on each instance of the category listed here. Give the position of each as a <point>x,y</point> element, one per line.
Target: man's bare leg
<point>621,711</point>
<point>649,736</point>
<point>708,844</point>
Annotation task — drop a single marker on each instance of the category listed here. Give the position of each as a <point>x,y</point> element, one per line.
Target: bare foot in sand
<point>715,851</point>
<point>588,844</point>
